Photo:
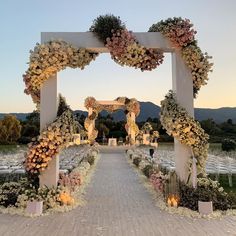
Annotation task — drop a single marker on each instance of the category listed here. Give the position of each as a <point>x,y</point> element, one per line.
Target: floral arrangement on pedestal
<point>147,128</point>
<point>154,136</point>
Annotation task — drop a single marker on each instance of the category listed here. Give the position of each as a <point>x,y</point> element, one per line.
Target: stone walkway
<point>117,204</point>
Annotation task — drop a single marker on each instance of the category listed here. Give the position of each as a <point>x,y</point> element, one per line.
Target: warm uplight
<point>172,201</point>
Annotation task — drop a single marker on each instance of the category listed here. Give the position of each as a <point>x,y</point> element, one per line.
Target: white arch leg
<point>183,87</point>
<point>48,113</point>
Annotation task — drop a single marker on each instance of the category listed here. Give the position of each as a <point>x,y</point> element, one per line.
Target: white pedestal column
<point>183,87</point>
<point>48,113</point>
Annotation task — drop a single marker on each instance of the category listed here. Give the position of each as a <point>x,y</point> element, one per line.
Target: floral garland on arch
<point>182,36</point>
<point>180,125</point>
<point>125,50</point>
<point>49,143</point>
<point>48,58</point>
<point>52,139</point>
<point>123,46</point>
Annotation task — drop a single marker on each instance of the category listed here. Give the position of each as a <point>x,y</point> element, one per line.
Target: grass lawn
<point>11,148</point>
<point>224,182</point>
<point>170,146</point>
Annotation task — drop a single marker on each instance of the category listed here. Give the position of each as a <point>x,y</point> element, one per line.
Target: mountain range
<point>149,109</point>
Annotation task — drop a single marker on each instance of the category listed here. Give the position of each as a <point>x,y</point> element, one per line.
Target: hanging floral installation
<point>51,57</point>
<point>125,50</point>
<point>129,105</point>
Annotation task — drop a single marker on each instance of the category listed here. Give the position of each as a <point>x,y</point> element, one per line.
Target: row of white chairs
<point>215,164</point>
<point>69,158</point>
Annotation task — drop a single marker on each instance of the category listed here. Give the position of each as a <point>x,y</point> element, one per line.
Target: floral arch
<point>190,67</point>
<point>131,107</point>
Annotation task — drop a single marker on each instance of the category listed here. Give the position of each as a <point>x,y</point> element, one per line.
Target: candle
<point>169,202</point>
<point>174,203</point>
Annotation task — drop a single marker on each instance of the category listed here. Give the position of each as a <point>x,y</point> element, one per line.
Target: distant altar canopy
<point>131,107</point>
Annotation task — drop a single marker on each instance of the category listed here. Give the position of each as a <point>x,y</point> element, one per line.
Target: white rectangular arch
<point>181,82</point>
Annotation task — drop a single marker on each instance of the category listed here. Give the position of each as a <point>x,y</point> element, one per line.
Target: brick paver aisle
<point>117,204</point>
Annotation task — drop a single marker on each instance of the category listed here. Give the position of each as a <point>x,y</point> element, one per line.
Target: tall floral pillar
<point>91,124</point>
<point>131,130</point>
<point>183,87</point>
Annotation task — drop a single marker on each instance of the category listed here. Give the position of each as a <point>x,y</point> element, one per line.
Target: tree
<point>62,105</point>
<point>33,118</point>
<point>230,122</point>
<point>102,129</point>
<point>81,118</point>
<point>10,129</point>
<point>30,127</point>
<point>209,126</point>
<point>228,126</point>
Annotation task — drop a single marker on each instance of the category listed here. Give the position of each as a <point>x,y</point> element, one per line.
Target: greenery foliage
<point>137,160</point>
<point>90,159</point>
<point>232,199</point>
<point>10,129</point>
<point>148,170</point>
<point>63,106</point>
<point>30,127</point>
<point>9,193</point>
<point>111,128</point>
<point>104,26</point>
<point>207,190</point>
<point>228,145</point>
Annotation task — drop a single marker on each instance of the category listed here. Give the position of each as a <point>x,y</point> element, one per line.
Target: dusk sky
<point>21,23</point>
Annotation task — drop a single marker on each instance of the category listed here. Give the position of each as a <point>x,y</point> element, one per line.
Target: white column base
<point>50,176</point>
<point>182,157</point>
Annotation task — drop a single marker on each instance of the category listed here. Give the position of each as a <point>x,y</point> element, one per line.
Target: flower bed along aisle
<point>179,198</point>
<point>22,197</point>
